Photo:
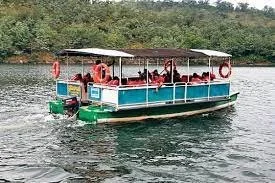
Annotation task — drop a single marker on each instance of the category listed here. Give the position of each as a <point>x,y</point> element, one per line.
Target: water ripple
<point>232,145</point>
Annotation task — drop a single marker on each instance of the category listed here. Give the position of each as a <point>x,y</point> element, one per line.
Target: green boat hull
<point>107,114</point>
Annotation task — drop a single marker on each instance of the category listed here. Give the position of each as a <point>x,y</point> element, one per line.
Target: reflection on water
<point>230,145</point>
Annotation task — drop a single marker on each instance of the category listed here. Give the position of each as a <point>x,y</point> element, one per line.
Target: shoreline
<point>41,63</point>
<point>46,58</point>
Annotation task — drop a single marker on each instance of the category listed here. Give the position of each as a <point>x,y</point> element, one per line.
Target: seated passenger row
<point>153,78</point>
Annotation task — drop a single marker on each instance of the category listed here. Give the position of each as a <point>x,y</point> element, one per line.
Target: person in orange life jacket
<point>103,70</point>
<point>114,81</point>
<point>205,76</point>
<point>143,76</point>
<point>155,75</point>
<point>196,78</point>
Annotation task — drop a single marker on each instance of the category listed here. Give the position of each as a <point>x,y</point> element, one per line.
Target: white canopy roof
<point>97,51</point>
<point>162,53</point>
<point>212,53</point>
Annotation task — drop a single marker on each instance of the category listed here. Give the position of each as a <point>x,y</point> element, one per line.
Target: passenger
<point>77,77</point>
<point>196,78</point>
<point>86,79</point>
<point>97,62</point>
<point>186,78</point>
<point>103,70</point>
<point>143,76</point>
<point>155,72</point>
<point>195,75</point>
<point>155,75</point>
<point>157,78</point>
<point>212,76</point>
<point>176,76</point>
<point>167,78</point>
<point>116,81</point>
<point>205,76</point>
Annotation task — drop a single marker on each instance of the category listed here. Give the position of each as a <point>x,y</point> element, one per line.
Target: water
<point>232,145</point>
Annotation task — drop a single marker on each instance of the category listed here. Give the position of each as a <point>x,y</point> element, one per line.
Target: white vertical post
<point>82,84</point>
<point>229,76</point>
<point>120,71</point>
<point>209,68</point>
<point>101,89</point>
<point>174,92</point>
<point>67,60</point>
<point>147,80</point>
<point>185,92</point>
<point>172,79</point>
<point>188,79</point>
<point>174,85</point>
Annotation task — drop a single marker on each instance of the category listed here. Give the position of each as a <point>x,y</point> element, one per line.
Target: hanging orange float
<point>222,66</point>
<point>97,73</point>
<point>55,69</point>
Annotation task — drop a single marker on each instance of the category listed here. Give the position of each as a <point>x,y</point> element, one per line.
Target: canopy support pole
<point>147,82</point>
<point>188,79</point>
<point>209,71</point>
<point>120,71</point>
<point>229,76</point>
<point>113,69</point>
<point>67,60</point>
<point>172,70</point>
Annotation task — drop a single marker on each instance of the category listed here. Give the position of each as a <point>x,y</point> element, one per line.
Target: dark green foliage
<point>49,25</point>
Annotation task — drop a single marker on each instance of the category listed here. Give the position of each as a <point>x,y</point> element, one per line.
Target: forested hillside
<point>33,27</point>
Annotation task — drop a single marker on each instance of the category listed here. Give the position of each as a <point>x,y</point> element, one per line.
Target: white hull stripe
<point>187,113</point>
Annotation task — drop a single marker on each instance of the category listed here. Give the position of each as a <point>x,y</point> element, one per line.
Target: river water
<point>232,145</point>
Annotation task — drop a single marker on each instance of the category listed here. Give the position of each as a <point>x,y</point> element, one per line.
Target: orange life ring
<point>167,63</point>
<point>56,70</point>
<point>223,65</point>
<point>98,72</point>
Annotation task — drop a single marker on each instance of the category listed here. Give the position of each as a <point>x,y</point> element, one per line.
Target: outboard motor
<point>71,105</point>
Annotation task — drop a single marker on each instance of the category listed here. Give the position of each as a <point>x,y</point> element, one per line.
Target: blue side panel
<point>132,96</point>
<point>62,89</point>
<point>180,92</point>
<point>161,94</point>
<point>94,93</point>
<point>199,91</point>
<point>219,90</point>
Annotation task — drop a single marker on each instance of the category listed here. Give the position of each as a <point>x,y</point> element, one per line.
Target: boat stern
<point>87,113</point>
<point>94,113</point>
<point>56,107</point>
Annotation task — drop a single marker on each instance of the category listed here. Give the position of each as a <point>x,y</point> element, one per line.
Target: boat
<point>112,97</point>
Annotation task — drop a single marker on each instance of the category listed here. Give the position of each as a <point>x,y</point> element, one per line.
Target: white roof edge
<point>212,53</point>
<point>103,52</point>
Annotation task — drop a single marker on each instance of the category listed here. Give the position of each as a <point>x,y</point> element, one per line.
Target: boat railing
<point>150,95</point>
<point>68,88</point>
